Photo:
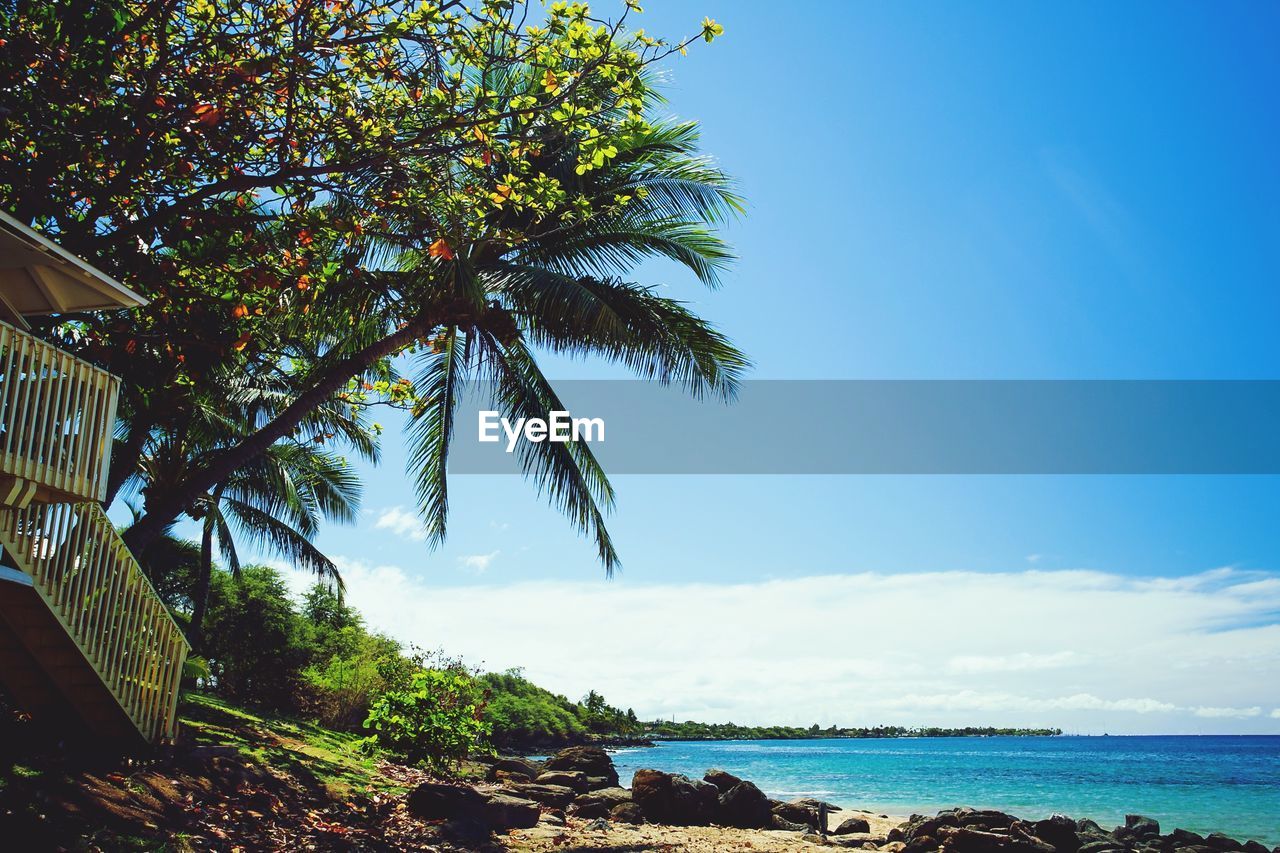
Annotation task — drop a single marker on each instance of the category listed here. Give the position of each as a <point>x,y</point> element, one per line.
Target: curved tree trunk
<point>331,380</point>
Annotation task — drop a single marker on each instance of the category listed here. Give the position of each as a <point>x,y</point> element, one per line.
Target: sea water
<point>1206,784</point>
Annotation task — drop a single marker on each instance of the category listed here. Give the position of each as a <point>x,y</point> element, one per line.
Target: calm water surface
<point>1205,784</point>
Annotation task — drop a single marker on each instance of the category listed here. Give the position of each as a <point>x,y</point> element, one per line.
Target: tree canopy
<point>306,189</point>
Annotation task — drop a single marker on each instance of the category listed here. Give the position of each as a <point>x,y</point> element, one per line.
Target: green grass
<point>304,749</point>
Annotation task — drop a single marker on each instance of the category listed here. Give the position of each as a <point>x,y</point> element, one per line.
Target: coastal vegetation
<point>689,730</point>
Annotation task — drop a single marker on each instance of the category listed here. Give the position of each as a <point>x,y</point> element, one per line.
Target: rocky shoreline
<point>574,800</point>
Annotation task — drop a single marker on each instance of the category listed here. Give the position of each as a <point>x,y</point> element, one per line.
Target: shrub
<point>437,721</point>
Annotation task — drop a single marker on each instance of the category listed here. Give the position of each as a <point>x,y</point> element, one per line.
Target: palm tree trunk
<point>331,380</point>
<point>200,599</point>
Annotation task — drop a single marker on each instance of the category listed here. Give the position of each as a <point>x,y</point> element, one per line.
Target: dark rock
<point>853,824</point>
<point>575,779</point>
<point>515,764</point>
<point>780,822</point>
<point>1255,847</point>
<point>557,796</point>
<point>1100,846</point>
<point>796,812</point>
<point>651,791</point>
<point>921,843</point>
<point>498,812</point>
<point>965,840</point>
<point>1141,826</point>
<point>594,782</point>
<point>609,796</point>
<point>920,826</point>
<point>1058,830</point>
<point>587,811</point>
<point>1185,837</point>
<point>627,813</point>
<point>722,779</point>
<point>1086,825</point>
<point>674,799</point>
<point>696,802</point>
<point>590,760</point>
<point>744,806</point>
<point>503,812</point>
<point>510,776</point>
<point>1218,841</point>
<point>435,801</point>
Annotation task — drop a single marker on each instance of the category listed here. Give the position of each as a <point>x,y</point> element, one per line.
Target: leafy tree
<point>524,715</point>
<point>255,644</point>
<point>307,189</point>
<point>437,721</point>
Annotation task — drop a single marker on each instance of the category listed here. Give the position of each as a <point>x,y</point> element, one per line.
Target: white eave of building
<point>37,276</point>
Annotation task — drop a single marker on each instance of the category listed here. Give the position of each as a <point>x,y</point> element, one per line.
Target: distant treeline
<point>689,730</point>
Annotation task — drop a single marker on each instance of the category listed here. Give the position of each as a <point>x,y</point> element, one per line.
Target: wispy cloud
<point>1088,651</point>
<point>404,524</point>
<point>478,563</point>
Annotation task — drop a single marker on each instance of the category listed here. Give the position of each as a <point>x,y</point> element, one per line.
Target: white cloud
<point>1088,651</point>
<point>404,524</point>
<point>1227,712</point>
<point>478,563</point>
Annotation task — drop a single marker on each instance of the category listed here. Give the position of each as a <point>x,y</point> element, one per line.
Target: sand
<point>576,837</point>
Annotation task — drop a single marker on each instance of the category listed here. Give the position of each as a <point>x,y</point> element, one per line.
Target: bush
<point>359,668</point>
<point>436,722</point>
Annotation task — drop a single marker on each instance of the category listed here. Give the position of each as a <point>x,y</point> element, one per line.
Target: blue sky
<point>940,191</point>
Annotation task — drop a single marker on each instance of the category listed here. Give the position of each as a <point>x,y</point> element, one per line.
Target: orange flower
<point>239,311</point>
<point>440,249</point>
<point>304,281</point>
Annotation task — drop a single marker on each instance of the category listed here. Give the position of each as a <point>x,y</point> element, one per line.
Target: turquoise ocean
<point>1205,784</point>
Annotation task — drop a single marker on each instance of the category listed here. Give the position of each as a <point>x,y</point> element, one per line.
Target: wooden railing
<point>90,581</point>
<point>56,417</point>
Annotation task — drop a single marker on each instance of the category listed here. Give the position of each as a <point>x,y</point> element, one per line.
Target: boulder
<point>575,779</point>
<point>515,764</point>
<point>744,806</point>
<point>1058,830</point>
<point>1218,841</point>
<point>722,779</point>
<point>437,801</point>
<point>674,799</point>
<point>626,813</point>
<point>1185,838</point>
<point>780,822</point>
<point>965,840</point>
<point>556,796</point>
<point>510,776</point>
<point>1104,846</point>
<point>796,812</point>
<point>589,760</point>
<point>851,825</point>
<point>609,796</point>
<point>588,811</point>
<point>1255,847</point>
<point>1142,825</point>
<point>498,812</point>
<point>651,791</point>
<point>697,803</point>
<point>594,782</point>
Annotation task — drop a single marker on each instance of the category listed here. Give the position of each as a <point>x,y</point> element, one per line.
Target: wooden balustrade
<point>56,417</point>
<point>88,578</point>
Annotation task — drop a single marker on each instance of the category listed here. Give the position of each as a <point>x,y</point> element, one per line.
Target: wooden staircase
<point>83,634</point>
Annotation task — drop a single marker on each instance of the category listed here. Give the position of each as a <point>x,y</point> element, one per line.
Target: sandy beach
<point>585,835</point>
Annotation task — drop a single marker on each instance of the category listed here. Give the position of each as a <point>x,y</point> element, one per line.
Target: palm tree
<point>275,502</point>
<point>562,289</point>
